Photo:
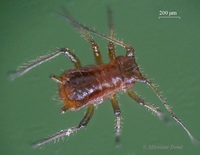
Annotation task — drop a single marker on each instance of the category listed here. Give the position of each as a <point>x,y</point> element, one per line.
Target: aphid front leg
<point>117,113</point>
<point>69,131</point>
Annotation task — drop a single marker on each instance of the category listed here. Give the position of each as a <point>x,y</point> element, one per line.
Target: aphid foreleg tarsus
<point>69,131</point>
<point>40,60</point>
<point>166,105</point>
<point>150,107</point>
<point>117,113</point>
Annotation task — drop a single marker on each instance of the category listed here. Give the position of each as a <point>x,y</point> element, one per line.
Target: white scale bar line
<point>169,17</point>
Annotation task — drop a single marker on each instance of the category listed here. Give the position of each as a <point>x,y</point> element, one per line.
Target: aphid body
<point>90,86</point>
<point>93,84</point>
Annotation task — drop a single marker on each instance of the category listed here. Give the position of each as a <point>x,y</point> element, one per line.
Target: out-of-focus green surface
<point>168,50</point>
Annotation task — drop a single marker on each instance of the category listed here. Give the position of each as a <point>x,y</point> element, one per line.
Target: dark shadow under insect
<point>90,86</point>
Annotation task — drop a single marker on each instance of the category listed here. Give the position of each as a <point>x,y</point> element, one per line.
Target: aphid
<point>90,86</point>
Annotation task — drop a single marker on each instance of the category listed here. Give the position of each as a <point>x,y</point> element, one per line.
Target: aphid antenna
<point>81,26</point>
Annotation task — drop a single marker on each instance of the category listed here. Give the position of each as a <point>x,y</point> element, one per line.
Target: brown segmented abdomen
<point>96,83</point>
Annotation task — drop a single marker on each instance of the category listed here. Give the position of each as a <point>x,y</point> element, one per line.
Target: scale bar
<point>169,17</point>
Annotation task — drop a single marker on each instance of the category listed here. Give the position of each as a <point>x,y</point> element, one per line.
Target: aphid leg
<point>69,131</point>
<point>117,114</point>
<point>74,59</point>
<point>94,46</point>
<point>40,60</point>
<point>111,51</point>
<point>150,107</point>
<point>111,48</point>
<point>166,105</point>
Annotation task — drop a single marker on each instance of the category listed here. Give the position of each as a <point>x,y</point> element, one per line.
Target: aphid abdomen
<point>93,84</point>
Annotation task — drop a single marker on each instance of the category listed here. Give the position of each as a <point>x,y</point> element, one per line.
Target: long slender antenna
<point>81,26</point>
<point>110,22</point>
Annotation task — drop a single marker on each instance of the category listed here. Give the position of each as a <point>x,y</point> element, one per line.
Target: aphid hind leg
<point>166,105</point>
<point>74,59</point>
<point>150,107</point>
<point>117,113</point>
<point>69,131</point>
<point>42,59</point>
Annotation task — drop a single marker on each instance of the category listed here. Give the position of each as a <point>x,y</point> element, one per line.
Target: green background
<point>168,51</point>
